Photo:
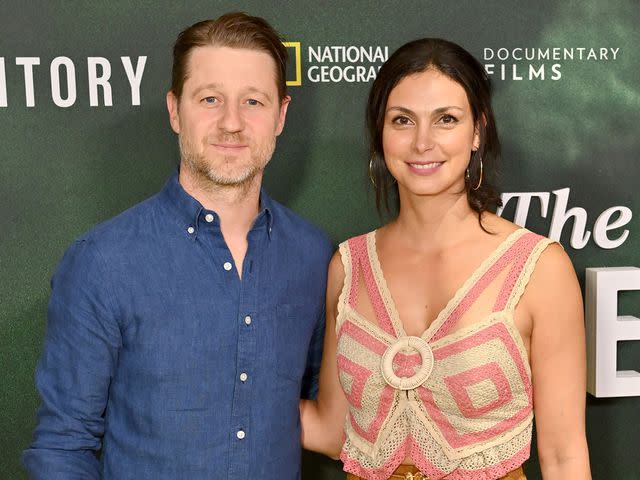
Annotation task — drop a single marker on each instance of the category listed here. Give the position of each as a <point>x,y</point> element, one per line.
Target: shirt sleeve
<point>73,376</point>
<point>314,358</point>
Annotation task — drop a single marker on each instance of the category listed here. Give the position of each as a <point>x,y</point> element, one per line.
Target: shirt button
<point>240,434</point>
<point>227,266</point>
<point>208,217</point>
<point>191,230</point>
<point>243,377</point>
<point>247,320</point>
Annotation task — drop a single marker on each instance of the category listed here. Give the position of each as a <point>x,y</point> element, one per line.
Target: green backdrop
<point>64,169</point>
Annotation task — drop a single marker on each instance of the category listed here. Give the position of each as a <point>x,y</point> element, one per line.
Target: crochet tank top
<point>458,399</point>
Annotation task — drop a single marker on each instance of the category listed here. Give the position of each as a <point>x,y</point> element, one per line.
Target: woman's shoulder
<point>497,225</point>
<point>552,255</point>
<point>340,264</point>
<point>355,238</point>
<point>549,276</point>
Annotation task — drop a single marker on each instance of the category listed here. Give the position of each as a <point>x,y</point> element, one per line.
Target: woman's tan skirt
<point>411,472</point>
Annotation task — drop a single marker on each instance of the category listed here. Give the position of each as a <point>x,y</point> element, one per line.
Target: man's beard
<point>212,174</point>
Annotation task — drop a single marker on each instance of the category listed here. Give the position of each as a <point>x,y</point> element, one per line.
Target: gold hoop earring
<point>480,179</point>
<point>371,172</point>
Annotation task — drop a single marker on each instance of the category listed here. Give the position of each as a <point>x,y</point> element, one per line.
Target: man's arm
<point>314,359</point>
<point>80,351</point>
<point>322,419</point>
<point>314,355</point>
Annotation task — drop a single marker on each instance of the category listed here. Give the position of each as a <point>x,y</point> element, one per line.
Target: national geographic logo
<point>334,63</point>
<point>295,55</point>
<point>540,63</point>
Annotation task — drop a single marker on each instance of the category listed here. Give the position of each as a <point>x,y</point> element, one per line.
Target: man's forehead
<point>239,63</point>
<point>212,54</point>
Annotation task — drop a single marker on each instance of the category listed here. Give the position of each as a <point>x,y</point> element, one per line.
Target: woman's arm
<point>322,419</point>
<point>558,363</point>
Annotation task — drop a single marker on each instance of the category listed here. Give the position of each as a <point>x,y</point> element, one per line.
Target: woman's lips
<point>425,168</point>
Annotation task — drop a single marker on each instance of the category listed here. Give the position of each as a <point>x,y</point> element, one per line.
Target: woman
<point>446,326</point>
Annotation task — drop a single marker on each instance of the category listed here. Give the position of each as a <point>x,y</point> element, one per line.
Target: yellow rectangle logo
<point>298,65</point>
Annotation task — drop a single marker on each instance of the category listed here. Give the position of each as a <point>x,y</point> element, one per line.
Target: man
<point>178,332</point>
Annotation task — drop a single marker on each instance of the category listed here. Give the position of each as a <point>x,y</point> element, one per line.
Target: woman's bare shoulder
<point>497,225</point>
<point>336,267</point>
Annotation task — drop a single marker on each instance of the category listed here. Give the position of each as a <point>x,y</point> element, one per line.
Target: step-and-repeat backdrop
<point>84,135</point>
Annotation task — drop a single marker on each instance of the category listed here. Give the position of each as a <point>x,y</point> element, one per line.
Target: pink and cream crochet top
<point>458,399</point>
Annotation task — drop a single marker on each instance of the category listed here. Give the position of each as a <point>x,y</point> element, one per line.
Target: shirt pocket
<point>294,329</point>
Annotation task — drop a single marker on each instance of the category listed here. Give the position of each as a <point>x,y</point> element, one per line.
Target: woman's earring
<point>480,179</point>
<point>371,172</point>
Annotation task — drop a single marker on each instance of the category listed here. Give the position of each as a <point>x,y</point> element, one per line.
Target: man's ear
<point>172,107</point>
<point>284,105</point>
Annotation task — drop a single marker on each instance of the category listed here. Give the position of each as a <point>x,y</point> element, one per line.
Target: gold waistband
<point>411,472</point>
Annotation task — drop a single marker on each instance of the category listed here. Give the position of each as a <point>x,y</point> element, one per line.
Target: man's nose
<point>231,119</point>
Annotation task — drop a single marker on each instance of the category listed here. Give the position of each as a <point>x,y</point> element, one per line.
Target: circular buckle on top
<point>405,343</point>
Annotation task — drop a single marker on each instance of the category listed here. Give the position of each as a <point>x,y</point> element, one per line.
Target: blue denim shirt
<point>161,358</point>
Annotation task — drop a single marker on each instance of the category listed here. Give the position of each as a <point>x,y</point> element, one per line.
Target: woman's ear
<point>476,133</point>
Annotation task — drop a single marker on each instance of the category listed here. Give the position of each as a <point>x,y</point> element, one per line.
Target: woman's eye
<point>448,119</point>
<point>401,120</point>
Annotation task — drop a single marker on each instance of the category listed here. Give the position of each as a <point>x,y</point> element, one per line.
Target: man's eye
<point>254,102</point>
<point>209,100</point>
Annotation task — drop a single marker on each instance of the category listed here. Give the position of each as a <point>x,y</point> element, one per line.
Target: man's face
<point>229,114</point>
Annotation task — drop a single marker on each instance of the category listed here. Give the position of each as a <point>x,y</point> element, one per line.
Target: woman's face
<point>428,134</point>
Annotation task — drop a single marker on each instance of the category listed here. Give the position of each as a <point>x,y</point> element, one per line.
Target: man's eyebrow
<point>208,86</point>
<point>260,91</point>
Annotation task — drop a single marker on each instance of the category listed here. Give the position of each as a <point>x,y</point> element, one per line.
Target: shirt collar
<point>266,209</point>
<point>189,210</point>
